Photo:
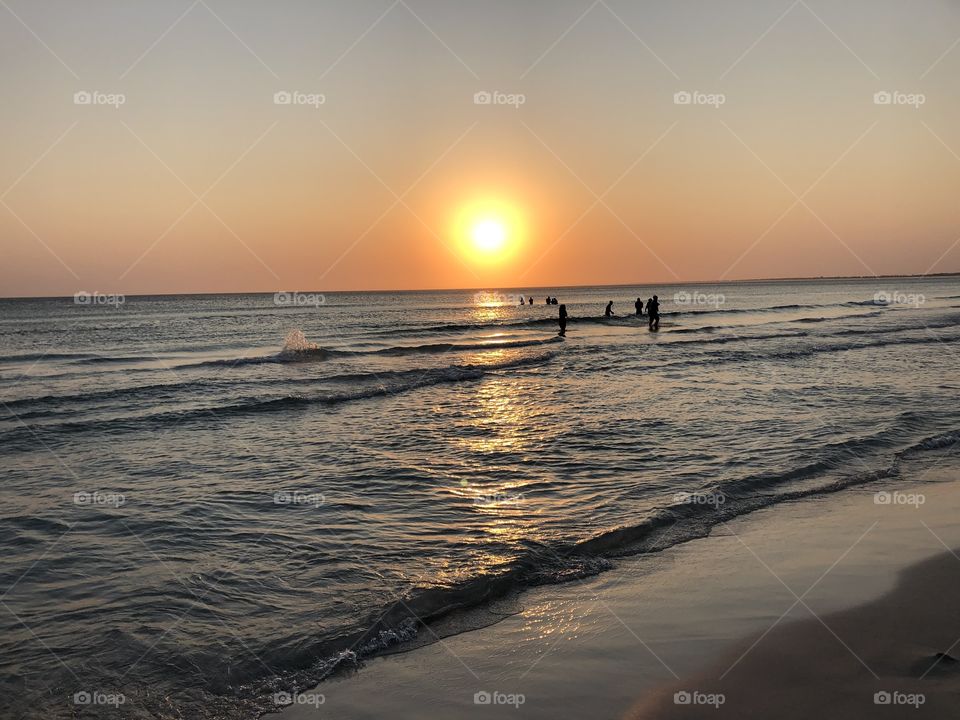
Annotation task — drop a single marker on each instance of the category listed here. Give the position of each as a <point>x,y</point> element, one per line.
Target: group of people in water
<point>651,308</point>
<point>548,301</point>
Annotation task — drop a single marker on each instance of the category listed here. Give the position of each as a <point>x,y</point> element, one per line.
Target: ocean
<point>208,500</point>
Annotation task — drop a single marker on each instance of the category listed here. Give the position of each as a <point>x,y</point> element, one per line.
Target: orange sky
<point>199,182</point>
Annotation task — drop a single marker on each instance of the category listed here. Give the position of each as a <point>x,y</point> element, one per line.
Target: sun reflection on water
<point>499,418</point>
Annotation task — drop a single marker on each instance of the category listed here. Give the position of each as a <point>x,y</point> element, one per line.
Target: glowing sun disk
<point>489,235</point>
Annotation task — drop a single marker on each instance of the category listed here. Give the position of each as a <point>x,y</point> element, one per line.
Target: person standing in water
<point>563,321</point>
<point>653,311</point>
<point>609,311</point>
<point>639,306</point>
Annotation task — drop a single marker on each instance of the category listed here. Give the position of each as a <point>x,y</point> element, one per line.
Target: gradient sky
<point>798,173</point>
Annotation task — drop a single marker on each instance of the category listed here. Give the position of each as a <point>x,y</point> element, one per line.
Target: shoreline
<point>424,619</point>
<point>609,642</point>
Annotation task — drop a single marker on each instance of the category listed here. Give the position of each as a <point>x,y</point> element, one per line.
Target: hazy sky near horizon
<point>201,182</point>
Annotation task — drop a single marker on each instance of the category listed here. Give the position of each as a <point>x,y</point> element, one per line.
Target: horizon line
<point>505,287</point>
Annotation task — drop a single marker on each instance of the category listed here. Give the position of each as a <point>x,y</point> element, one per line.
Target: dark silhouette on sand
<point>653,311</point>
<point>563,321</point>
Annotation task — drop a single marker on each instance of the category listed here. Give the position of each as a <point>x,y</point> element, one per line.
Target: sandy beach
<point>810,607</point>
<point>892,657</point>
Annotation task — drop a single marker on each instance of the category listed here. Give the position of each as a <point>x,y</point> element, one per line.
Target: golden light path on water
<point>497,419</point>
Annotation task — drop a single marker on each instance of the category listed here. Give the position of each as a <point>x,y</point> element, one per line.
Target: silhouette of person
<point>563,321</point>
<point>522,301</point>
<point>609,311</point>
<point>555,302</point>
<point>639,306</point>
<point>653,311</point>
<point>531,299</point>
<point>548,300</point>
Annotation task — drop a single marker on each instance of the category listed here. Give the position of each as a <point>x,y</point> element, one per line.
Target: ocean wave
<point>746,356</point>
<point>387,382</point>
<point>733,337</point>
<point>319,354</point>
<point>46,405</point>
<point>935,442</point>
<point>950,321</point>
<point>867,303</point>
<point>374,384</point>
<point>450,347</point>
<point>676,521</point>
<point>778,321</point>
<point>284,356</point>
<point>38,356</point>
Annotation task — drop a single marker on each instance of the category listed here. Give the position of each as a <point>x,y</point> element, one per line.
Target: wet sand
<point>619,645</point>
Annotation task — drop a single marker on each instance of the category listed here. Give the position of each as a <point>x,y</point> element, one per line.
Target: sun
<point>488,231</point>
<point>489,235</point>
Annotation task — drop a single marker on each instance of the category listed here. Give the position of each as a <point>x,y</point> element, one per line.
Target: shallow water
<point>202,505</point>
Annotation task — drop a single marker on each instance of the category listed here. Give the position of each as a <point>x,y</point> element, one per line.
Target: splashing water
<point>296,341</point>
